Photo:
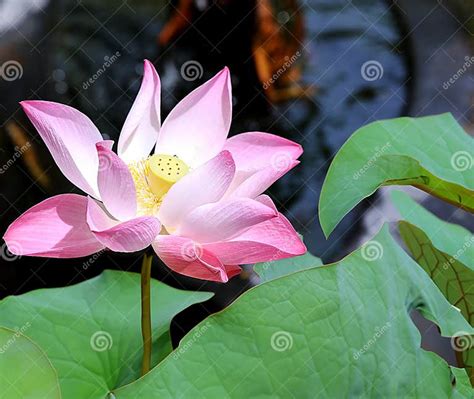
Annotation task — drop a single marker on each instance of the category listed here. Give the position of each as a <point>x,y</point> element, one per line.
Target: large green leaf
<point>337,331</point>
<point>91,331</point>
<point>25,370</point>
<point>271,270</point>
<point>432,153</point>
<point>446,252</point>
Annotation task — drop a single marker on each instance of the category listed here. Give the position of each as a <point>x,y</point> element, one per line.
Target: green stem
<point>146,313</point>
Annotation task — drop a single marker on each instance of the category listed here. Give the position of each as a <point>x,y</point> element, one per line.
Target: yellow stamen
<point>153,178</point>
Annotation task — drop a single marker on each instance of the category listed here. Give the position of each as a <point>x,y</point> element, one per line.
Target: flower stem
<point>146,313</point>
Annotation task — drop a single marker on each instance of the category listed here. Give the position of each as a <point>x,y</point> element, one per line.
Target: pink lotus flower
<point>197,200</point>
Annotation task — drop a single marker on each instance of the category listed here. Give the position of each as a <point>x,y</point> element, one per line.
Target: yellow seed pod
<point>163,171</point>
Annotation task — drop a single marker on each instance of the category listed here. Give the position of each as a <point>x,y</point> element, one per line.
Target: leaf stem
<point>146,312</point>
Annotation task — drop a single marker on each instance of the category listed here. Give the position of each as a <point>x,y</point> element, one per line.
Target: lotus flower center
<point>153,177</point>
<point>163,171</point>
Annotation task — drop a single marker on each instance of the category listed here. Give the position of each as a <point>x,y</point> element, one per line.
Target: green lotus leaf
<point>91,331</point>
<point>25,370</point>
<point>431,153</point>
<point>337,331</point>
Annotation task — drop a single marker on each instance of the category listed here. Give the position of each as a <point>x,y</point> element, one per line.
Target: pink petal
<point>254,151</point>
<point>259,181</point>
<point>140,130</point>
<point>70,137</point>
<point>116,186</point>
<point>188,258</point>
<point>98,219</point>
<point>223,220</point>
<point>130,236</point>
<point>55,228</point>
<point>268,241</point>
<point>266,200</point>
<point>206,184</point>
<point>196,129</point>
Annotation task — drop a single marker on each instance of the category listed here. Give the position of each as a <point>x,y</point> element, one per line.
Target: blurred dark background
<point>351,62</point>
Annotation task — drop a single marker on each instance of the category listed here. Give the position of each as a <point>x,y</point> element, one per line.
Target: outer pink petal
<point>70,137</point>
<point>55,228</point>
<point>223,220</point>
<point>206,184</point>
<point>140,130</point>
<point>130,236</point>
<point>186,257</point>
<point>116,186</point>
<point>259,181</point>
<point>268,241</point>
<point>254,151</point>
<point>196,129</point>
